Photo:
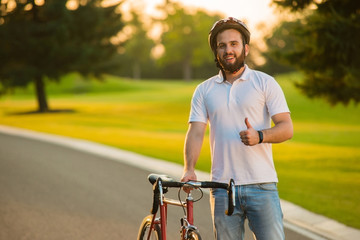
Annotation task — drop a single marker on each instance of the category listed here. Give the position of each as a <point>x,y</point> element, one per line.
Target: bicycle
<point>153,227</point>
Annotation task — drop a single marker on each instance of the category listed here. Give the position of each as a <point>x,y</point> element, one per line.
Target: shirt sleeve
<point>275,98</point>
<point>198,112</point>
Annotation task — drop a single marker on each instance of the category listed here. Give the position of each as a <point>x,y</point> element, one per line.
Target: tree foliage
<point>44,42</point>
<point>185,38</point>
<point>139,45</point>
<point>326,48</point>
<point>279,43</point>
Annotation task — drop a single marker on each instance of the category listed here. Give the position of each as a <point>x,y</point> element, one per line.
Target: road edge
<point>296,218</point>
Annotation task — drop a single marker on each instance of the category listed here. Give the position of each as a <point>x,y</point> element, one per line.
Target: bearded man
<point>239,103</point>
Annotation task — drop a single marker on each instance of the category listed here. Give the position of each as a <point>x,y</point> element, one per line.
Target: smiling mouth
<point>229,58</point>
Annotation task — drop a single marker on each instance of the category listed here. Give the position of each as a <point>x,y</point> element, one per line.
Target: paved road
<point>52,192</point>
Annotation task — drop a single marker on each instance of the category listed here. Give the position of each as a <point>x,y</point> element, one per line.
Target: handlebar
<point>160,182</point>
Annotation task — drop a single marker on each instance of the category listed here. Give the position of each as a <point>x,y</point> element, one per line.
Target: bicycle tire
<point>145,227</point>
<point>194,235</point>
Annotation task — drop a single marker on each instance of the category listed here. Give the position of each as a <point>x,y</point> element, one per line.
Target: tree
<point>185,38</point>
<point>326,48</point>
<point>44,41</point>
<point>279,43</point>
<point>138,46</point>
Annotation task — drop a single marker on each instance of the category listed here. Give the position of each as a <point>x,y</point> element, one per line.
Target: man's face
<point>230,50</point>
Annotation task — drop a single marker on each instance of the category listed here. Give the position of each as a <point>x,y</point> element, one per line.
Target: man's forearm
<point>191,154</point>
<point>281,131</point>
<point>193,143</point>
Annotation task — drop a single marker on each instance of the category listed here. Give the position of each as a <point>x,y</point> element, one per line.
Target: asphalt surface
<point>52,192</point>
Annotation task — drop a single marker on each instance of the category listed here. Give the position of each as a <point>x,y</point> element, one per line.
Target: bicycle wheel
<point>145,228</point>
<point>194,235</point>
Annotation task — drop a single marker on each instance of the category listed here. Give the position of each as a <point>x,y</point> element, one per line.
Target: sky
<point>252,12</point>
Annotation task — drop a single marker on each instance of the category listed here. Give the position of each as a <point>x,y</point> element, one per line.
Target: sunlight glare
<point>39,2</point>
<point>253,12</point>
<point>72,5</point>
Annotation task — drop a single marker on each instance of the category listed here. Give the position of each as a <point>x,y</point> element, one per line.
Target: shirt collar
<point>244,76</point>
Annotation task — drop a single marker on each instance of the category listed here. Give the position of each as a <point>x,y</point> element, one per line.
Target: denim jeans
<point>259,203</point>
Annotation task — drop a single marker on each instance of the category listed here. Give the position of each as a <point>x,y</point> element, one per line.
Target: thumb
<point>248,125</point>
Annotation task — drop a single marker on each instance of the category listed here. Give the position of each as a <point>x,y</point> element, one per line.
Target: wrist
<point>189,169</point>
<point>261,136</point>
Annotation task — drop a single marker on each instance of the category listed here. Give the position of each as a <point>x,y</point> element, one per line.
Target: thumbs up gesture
<point>250,136</point>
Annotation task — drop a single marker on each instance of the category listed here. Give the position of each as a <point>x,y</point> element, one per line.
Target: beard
<point>232,67</point>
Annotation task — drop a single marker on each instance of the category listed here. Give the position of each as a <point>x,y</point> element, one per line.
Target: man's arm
<point>280,132</point>
<point>193,143</point>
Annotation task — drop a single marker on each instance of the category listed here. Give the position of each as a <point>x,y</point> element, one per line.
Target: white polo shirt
<point>254,95</point>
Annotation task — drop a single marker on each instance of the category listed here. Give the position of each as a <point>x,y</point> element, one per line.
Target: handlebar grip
<point>231,198</point>
<point>206,184</point>
<point>156,197</point>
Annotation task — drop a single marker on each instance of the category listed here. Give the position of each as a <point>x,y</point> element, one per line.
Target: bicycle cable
<point>183,205</point>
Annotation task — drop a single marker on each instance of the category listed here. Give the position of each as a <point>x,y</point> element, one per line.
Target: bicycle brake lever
<point>231,198</point>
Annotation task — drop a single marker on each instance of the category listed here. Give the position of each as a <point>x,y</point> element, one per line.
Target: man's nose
<point>228,50</point>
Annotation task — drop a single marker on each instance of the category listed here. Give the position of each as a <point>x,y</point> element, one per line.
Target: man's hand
<point>250,136</point>
<point>188,176</point>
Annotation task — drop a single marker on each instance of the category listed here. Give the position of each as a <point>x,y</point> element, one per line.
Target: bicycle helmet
<point>228,23</point>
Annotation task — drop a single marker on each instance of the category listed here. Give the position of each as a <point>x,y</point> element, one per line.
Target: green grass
<point>318,169</point>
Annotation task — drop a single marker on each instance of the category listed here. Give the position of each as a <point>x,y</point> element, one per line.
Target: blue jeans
<point>259,203</point>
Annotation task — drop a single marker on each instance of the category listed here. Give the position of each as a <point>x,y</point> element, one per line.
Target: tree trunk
<point>41,95</point>
<point>187,70</point>
<point>136,71</point>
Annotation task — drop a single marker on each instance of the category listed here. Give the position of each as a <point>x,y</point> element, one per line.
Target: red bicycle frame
<point>164,202</point>
<point>161,183</point>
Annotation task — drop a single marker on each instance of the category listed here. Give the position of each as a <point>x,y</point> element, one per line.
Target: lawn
<point>318,169</point>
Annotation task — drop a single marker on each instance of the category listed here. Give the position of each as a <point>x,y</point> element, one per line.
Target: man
<point>239,103</point>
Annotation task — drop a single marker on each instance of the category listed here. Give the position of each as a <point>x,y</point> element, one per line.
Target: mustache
<point>229,54</point>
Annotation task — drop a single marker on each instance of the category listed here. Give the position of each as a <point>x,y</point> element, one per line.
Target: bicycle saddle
<point>153,177</point>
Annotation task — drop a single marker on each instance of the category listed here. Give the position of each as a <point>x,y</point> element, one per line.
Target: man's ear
<point>247,49</point>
